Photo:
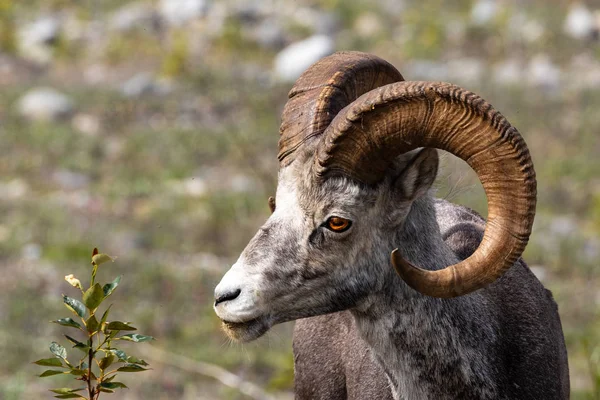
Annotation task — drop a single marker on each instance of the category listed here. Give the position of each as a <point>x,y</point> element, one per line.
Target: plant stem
<point>90,359</point>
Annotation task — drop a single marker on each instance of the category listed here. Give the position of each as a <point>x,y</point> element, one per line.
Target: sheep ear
<point>418,176</point>
<point>272,204</point>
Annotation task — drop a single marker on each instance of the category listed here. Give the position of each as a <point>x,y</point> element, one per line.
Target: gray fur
<point>501,342</point>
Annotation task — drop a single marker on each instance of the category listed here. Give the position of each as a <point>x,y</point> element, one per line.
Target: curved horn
<point>323,90</point>
<point>363,139</point>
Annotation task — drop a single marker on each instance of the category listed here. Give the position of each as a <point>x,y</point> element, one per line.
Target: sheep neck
<point>428,347</point>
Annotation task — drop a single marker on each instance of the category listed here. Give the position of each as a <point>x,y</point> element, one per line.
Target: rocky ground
<point>149,129</point>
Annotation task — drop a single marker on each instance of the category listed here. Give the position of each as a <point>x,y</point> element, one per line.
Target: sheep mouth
<point>246,331</point>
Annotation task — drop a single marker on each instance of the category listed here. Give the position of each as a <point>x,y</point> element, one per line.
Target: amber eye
<point>338,224</point>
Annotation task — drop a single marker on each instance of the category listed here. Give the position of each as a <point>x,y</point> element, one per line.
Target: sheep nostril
<point>227,296</point>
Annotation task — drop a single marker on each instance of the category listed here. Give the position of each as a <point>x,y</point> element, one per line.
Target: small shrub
<point>93,368</point>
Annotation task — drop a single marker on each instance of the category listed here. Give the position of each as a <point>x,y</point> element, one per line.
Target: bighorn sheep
<point>472,322</point>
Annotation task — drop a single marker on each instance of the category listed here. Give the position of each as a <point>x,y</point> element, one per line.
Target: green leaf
<point>105,362</point>
<point>105,315</point>
<point>105,390</point>
<point>67,322</point>
<point>136,337</point>
<point>113,385</point>
<point>69,396</point>
<point>92,324</point>
<point>50,372</point>
<point>58,350</point>
<point>120,326</point>
<point>83,347</point>
<point>65,390</point>
<point>131,368</point>
<point>101,259</point>
<point>110,287</point>
<point>120,354</point>
<point>77,372</point>
<point>74,305</point>
<point>93,296</point>
<point>77,344</point>
<point>49,362</point>
<point>135,360</point>
<point>72,340</point>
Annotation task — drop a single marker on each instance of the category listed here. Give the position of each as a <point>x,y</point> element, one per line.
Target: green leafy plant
<point>100,362</point>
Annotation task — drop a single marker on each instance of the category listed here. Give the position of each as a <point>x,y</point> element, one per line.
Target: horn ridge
<point>363,139</point>
<point>322,91</point>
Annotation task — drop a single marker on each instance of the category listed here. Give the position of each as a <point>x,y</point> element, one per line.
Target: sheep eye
<point>338,224</point>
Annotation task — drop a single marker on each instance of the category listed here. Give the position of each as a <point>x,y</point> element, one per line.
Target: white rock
<point>523,28</point>
<point>508,72</point>
<point>132,16</point>
<point>542,72</point>
<point>368,25</point>
<point>484,12</point>
<point>177,12</point>
<point>242,184</point>
<point>87,124</point>
<point>532,31</point>
<point>194,187</point>
<point>13,189</point>
<point>539,271</point>
<point>45,104</point>
<point>292,61</point>
<point>466,70</point>
<point>580,22</point>
<point>584,72</point>
<point>35,39</point>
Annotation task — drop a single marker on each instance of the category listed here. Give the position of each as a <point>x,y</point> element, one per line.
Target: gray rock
<point>508,72</point>
<point>523,28</point>
<point>134,16</point>
<point>427,70</point>
<point>543,72</point>
<point>70,180</point>
<point>563,226</point>
<point>466,70</point>
<point>591,249</point>
<point>143,84</point>
<point>580,22</point>
<point>139,85</point>
<point>584,72</point>
<point>318,21</point>
<point>45,104</point>
<point>35,39</point>
<point>392,7</point>
<point>177,12</point>
<point>483,12</point>
<point>249,11</point>
<point>269,34</point>
<point>297,57</point>
<point>31,251</point>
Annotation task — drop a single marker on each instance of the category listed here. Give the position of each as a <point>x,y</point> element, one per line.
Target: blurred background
<point>149,129</point>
